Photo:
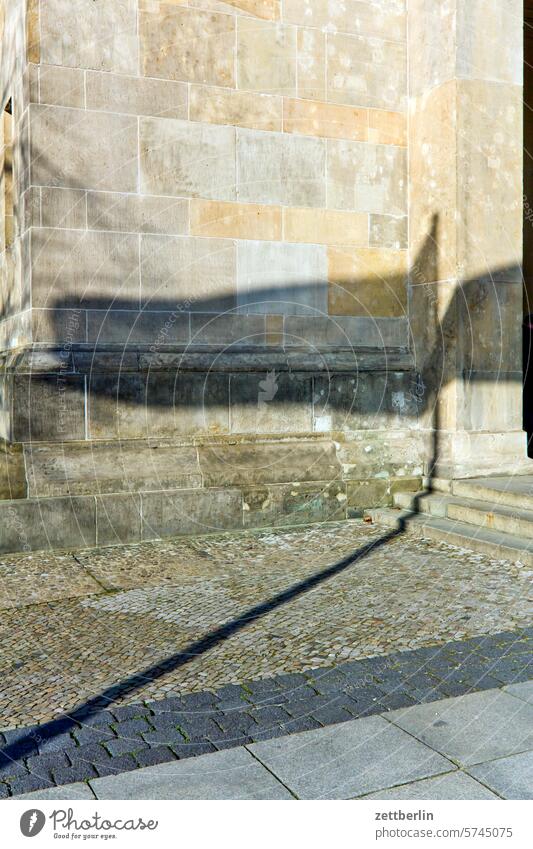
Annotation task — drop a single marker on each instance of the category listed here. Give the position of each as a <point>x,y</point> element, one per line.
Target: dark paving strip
<point>124,737</point>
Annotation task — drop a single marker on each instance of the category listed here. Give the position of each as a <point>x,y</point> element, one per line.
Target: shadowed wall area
<point>241,288</point>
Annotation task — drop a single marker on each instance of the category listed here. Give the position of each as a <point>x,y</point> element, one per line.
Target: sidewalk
<point>477,746</point>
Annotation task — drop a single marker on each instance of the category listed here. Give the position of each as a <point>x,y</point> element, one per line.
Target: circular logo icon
<point>32,822</point>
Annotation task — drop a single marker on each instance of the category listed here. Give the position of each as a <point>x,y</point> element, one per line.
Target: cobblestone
<point>412,621</point>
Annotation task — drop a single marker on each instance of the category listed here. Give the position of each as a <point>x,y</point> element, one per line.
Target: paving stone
<point>305,707</point>
<point>9,767</point>
<point>331,714</point>
<point>27,783</point>
<point>157,755</point>
<point>113,766</point>
<point>103,717</point>
<point>521,691</point>
<point>229,696</point>
<point>45,763</point>
<point>89,753</point>
<point>58,743</point>
<point>237,722</point>
<point>92,735</point>
<point>393,701</point>
<point>473,728</point>
<point>232,741</point>
<point>198,727</point>
<point>174,588</point>
<point>192,750</point>
<point>453,785</point>
<point>122,746</point>
<point>301,723</point>
<point>76,791</point>
<point>348,760</point>
<point>198,701</point>
<point>268,715</point>
<point>131,727</point>
<point>125,712</point>
<point>234,774</point>
<point>511,778</point>
<point>165,738</point>
<point>80,771</point>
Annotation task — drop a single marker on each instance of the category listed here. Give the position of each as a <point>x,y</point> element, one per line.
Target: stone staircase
<point>492,515</point>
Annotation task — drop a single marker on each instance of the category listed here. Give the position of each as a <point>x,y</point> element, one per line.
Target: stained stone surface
<point>131,607</point>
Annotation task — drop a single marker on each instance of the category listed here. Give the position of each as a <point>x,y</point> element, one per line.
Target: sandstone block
<point>136,95</point>
<point>277,168</point>
<point>187,159</point>
<point>180,43</point>
<point>235,220</point>
<point>239,108</point>
<point>281,278</point>
<point>79,149</point>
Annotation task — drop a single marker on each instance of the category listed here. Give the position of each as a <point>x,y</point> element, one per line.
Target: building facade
<point>261,260</point>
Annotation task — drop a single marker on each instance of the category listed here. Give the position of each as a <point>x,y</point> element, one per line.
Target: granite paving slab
<point>79,790</point>
<point>233,774</point>
<point>453,785</point>
<point>348,760</point>
<point>473,728</point>
<point>511,778</point>
<point>521,691</point>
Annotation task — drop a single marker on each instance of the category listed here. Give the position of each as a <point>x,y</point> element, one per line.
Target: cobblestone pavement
<point>120,629</point>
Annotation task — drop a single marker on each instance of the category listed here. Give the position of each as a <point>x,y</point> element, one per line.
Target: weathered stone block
<point>367,282</point>
<point>311,63</point>
<point>79,149</point>
<point>174,512</point>
<point>368,400</point>
<point>89,34</point>
<point>325,226</point>
<point>56,326</point>
<point>285,169</point>
<point>229,329</point>
<point>325,119</point>
<point>388,231</point>
<point>381,18</point>
<point>48,407</point>
<point>137,213</point>
<point>47,524</point>
<point>12,474</point>
<point>387,127</point>
<point>266,57</point>
<point>366,72</point>
<point>65,208</point>
<point>261,463</point>
<point>346,332</point>
<point>157,404</point>
<point>109,467</point>
<point>136,95</point>
<point>270,403</point>
<point>294,504</point>
<point>145,327</point>
<point>84,268</point>
<point>58,86</point>
<point>182,158</point>
<point>118,519</point>
<point>367,493</point>
<point>275,277</point>
<point>486,29</point>
<point>194,274</point>
<point>179,43</point>
<point>367,177</point>
<point>235,220</point>
<point>239,108</point>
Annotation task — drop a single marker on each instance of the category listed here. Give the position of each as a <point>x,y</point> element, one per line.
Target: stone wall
<point>242,163</point>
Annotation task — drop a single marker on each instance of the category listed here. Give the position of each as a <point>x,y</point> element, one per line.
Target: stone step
<point>511,491</point>
<point>498,545</point>
<point>511,520</point>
